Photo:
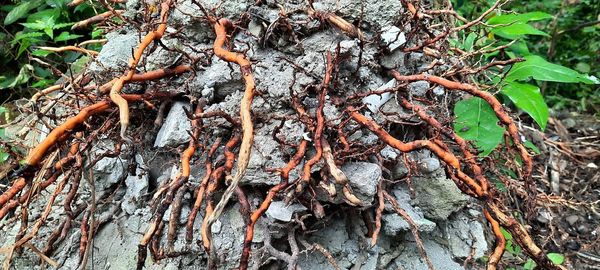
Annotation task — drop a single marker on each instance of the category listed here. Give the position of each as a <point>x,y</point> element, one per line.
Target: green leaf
<point>529,265</point>
<point>528,98</point>
<point>523,18</point>
<point>64,36</point>
<point>22,35</point>
<point>3,156</point>
<point>42,53</point>
<point>37,25</point>
<point>556,258</point>
<point>18,12</point>
<point>46,13</point>
<point>476,121</point>
<point>469,41</point>
<point>42,83</point>
<point>532,146</point>
<point>583,67</point>
<point>46,24</point>
<point>23,77</point>
<point>97,33</point>
<point>520,47</point>
<point>506,234</point>
<point>62,25</point>
<point>517,30</point>
<point>80,64</point>
<point>539,69</point>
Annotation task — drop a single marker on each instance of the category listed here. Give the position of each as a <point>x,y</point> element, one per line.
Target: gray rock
<point>115,245</point>
<point>437,195</point>
<point>373,12</point>
<point>391,110</point>
<point>440,257</point>
<point>109,170</point>
<point>218,76</point>
<point>363,178</point>
<point>228,236</point>
<point>175,128</point>
<point>572,219</point>
<point>273,74</point>
<point>279,211</point>
<point>229,9</point>
<point>255,28</point>
<point>429,165</point>
<point>389,153</point>
<point>115,53</point>
<point>136,187</point>
<point>395,60</point>
<point>392,37</point>
<point>439,91</point>
<point>347,47</point>
<point>466,233</point>
<point>373,102</point>
<point>394,223</point>
<point>418,88</point>
<point>265,154</point>
<point>335,238</point>
<point>161,57</point>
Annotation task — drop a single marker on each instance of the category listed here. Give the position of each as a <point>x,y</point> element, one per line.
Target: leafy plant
<point>4,155</point>
<point>29,24</point>
<point>516,251</point>
<point>519,84</point>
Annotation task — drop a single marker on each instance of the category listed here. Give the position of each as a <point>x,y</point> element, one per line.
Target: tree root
<point>245,115</point>
<point>173,188</point>
<point>413,227</point>
<point>464,182</point>
<point>463,169</point>
<point>115,90</point>
<point>284,174</point>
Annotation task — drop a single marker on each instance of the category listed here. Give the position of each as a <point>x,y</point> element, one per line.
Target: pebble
<point>572,219</point>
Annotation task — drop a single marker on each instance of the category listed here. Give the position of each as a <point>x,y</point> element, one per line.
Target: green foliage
<point>529,99</point>
<point>20,11</point>
<point>516,251</point>
<point>3,153</point>
<point>511,247</point>
<point>574,44</point>
<point>539,69</point>
<point>555,258</point>
<point>519,83</point>
<point>476,121</point>
<point>514,26</point>
<point>29,24</point>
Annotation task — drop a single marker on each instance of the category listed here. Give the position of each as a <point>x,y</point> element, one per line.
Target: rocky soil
<point>454,233</point>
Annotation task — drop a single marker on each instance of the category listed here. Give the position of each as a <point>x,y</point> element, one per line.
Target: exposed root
<point>333,145</point>
<point>245,115</point>
<point>96,19</point>
<point>216,178</point>
<point>318,130</point>
<point>449,158</point>
<point>174,187</point>
<point>466,184</point>
<point>323,251</point>
<point>413,227</point>
<point>148,76</point>
<point>200,191</point>
<point>69,48</point>
<point>115,91</point>
<point>378,214</point>
<point>511,128</point>
<point>500,242</point>
<point>284,173</point>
